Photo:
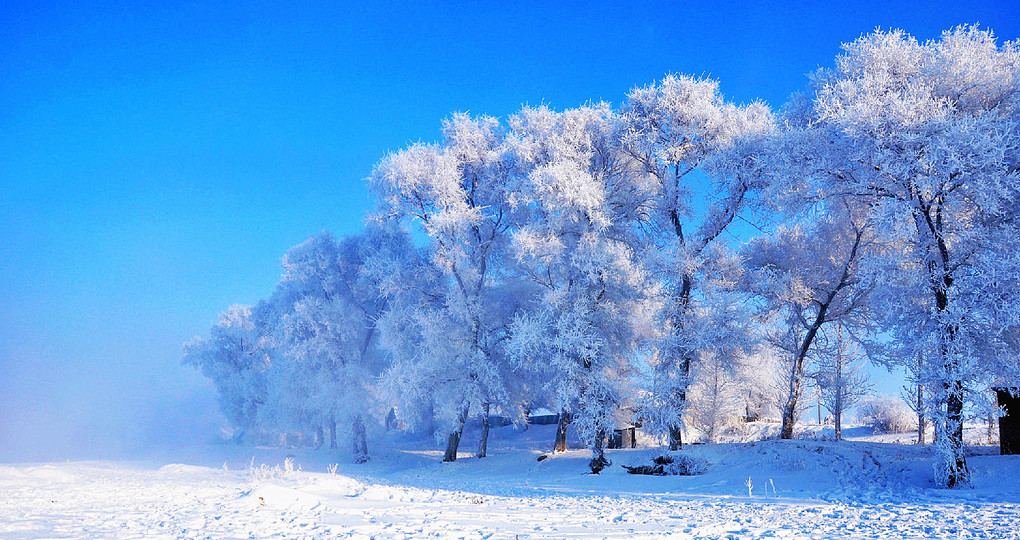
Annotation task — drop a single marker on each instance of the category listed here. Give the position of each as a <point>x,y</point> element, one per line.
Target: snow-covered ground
<point>806,488</point>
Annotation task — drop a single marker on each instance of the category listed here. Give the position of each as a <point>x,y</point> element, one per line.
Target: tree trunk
<point>956,464</point>
<point>598,459</point>
<point>793,396</point>
<point>453,441</point>
<point>684,298</point>
<point>358,440</point>
<point>676,441</point>
<point>676,432</point>
<point>958,473</point>
<point>483,445</point>
<point>921,425</point>
<point>797,372</point>
<point>789,411</point>
<point>938,426</point>
<point>928,217</point>
<point>920,401</point>
<point>560,445</point>
<point>332,434</point>
<point>428,425</point>
<point>837,416</point>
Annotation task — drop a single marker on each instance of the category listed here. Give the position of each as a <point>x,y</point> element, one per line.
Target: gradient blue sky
<point>157,161</point>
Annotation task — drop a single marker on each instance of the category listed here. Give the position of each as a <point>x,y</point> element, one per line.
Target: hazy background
<point>156,162</point>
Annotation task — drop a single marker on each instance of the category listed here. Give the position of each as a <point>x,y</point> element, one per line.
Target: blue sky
<point>156,162</point>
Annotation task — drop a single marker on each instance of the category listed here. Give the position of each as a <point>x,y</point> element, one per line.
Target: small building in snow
<point>543,417</point>
<point>623,438</point>
<point>1009,424</point>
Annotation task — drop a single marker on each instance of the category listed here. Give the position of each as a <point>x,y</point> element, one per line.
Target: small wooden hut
<point>623,438</point>
<point>542,417</point>
<point>1009,424</point>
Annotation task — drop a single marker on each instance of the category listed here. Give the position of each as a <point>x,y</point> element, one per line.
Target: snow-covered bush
<point>672,464</point>
<point>265,472</point>
<point>887,414</point>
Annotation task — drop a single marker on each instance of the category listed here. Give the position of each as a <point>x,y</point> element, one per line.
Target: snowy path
<point>123,500</point>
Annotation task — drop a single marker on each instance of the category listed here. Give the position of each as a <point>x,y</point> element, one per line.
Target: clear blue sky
<point>156,161</point>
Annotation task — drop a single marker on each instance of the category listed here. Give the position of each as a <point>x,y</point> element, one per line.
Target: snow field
<point>96,499</point>
<point>800,489</point>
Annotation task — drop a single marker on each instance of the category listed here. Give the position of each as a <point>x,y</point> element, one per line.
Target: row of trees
<point>587,259</point>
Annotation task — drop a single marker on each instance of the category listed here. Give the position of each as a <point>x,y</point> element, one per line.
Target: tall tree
<point>809,275</point>
<point>671,128</point>
<point>329,338</point>
<point>717,393</point>
<point>838,374</point>
<point>927,133</point>
<point>583,204</point>
<point>235,358</point>
<point>913,395</point>
<point>457,193</point>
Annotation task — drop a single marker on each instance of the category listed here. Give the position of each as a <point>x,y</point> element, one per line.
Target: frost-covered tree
<point>715,396</point>
<point>456,192</point>
<point>913,395</point>
<point>886,414</point>
<point>235,357</point>
<point>808,274</point>
<point>413,382</point>
<point>671,129</point>
<point>583,203</point>
<point>718,329</point>
<point>756,374</point>
<point>328,338</point>
<point>838,374</point>
<point>926,133</point>
<point>309,355</point>
<point>304,333</point>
